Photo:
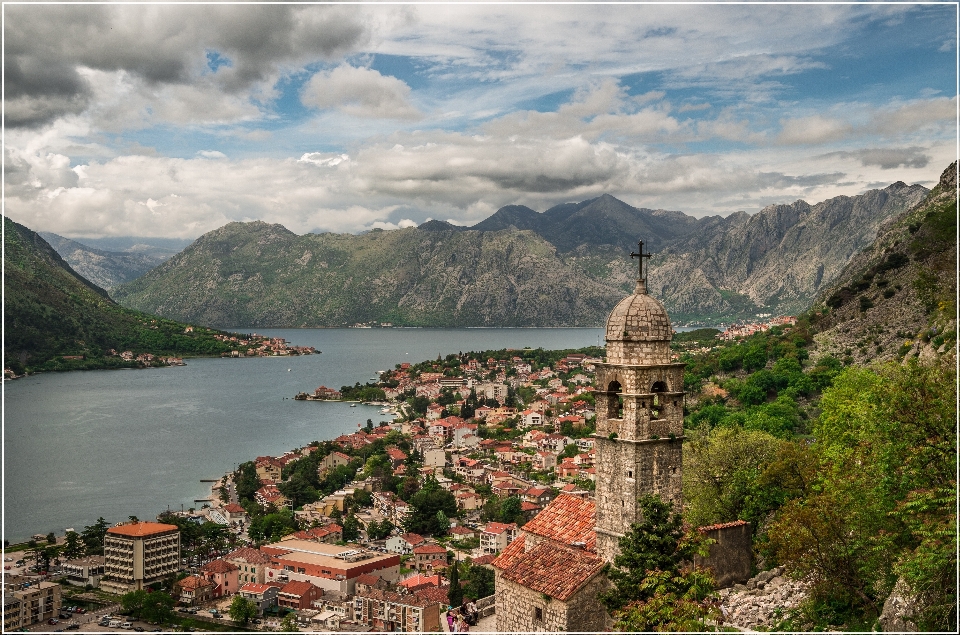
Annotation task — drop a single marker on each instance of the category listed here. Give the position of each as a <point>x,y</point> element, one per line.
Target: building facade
<point>27,602</point>
<point>138,554</point>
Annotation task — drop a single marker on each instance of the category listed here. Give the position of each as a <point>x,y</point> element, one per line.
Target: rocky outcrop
<point>897,610</point>
<point>763,601</point>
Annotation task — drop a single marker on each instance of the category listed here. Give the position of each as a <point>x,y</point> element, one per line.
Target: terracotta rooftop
<point>298,588</point>
<point>414,539</point>
<point>567,519</point>
<point>433,595</point>
<point>431,548</point>
<point>510,555</point>
<point>498,528</point>
<point>248,555</point>
<point>554,569</point>
<point>487,559</point>
<point>142,529</point>
<point>418,580</point>
<point>408,599</point>
<point>233,508</point>
<point>193,582</point>
<point>368,579</point>
<point>253,587</point>
<point>219,566</point>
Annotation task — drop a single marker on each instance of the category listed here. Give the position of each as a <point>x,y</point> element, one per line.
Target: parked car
<point>126,625</point>
<point>73,627</point>
<point>53,620</point>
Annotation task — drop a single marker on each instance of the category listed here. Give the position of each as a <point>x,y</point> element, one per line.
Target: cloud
<point>815,129</point>
<point>403,224</point>
<point>360,92</point>
<point>211,154</point>
<point>897,119</point>
<point>161,51</point>
<point>886,158</point>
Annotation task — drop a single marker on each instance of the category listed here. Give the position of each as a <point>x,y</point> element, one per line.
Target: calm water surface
<point>82,445</point>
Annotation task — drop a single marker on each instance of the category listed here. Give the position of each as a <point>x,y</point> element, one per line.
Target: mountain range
<point>566,266</point>
<point>106,268</point>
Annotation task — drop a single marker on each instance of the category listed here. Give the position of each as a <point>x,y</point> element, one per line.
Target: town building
<point>83,571</point>
<point>330,567</point>
<point>430,557</point>
<point>251,565</point>
<point>138,554</point>
<point>404,613</point>
<point>223,575</point>
<point>263,595</point>
<point>298,595</point>
<point>27,601</point>
<point>194,589</point>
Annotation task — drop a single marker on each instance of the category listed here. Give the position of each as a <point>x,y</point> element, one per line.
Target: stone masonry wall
<point>516,609</point>
<point>763,601</point>
<point>731,556</point>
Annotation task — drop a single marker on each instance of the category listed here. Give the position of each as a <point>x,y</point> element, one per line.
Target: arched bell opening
<point>614,400</point>
<point>658,406</point>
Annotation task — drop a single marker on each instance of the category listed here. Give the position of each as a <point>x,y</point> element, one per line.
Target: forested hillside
<point>51,312</point>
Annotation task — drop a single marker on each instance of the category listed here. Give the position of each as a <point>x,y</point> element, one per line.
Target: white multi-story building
<point>137,554</point>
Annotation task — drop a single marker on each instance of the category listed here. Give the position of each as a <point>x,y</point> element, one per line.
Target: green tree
<point>133,602</point>
<point>455,594</point>
<point>657,543</point>
<point>242,610</point>
<point>94,535</point>
<point>158,607</point>
<point>721,474</point>
<point>73,548</point>
<point>883,493</point>
<point>246,481</point>
<point>351,528</point>
<point>289,623</point>
<point>424,506</point>
<point>480,582</point>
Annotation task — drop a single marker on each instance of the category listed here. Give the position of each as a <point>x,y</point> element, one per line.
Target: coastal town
<point>394,527</point>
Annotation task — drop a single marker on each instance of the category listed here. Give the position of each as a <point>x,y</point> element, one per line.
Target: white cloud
<point>211,154</point>
<point>360,92</point>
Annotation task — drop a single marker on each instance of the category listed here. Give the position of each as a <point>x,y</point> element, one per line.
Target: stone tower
<point>639,432</point>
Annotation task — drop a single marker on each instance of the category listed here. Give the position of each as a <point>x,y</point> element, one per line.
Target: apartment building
<point>139,553</point>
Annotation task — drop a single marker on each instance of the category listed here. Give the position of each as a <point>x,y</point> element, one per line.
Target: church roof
<point>567,519</point>
<point>639,317</point>
<point>556,570</point>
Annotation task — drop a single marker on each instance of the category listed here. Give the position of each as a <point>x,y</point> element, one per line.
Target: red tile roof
<point>417,580</point>
<point>219,566</point>
<point>429,549</point>
<point>510,555</point>
<point>414,539</point>
<point>433,595</point>
<point>234,508</point>
<point>193,582</point>
<point>567,519</point>
<point>489,558</point>
<point>554,569</point>
<point>499,528</point>
<point>248,555</point>
<point>297,588</point>
<point>142,529</point>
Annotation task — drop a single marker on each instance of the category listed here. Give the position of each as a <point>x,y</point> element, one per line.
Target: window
<point>629,473</point>
<point>300,570</point>
<point>253,569</point>
<point>538,614</point>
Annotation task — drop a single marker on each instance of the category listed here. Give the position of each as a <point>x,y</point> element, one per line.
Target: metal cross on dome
<point>641,256</point>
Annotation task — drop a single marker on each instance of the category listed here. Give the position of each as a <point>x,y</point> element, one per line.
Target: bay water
<point>81,445</point>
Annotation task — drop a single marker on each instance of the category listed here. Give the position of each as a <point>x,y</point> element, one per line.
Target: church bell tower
<point>639,400</point>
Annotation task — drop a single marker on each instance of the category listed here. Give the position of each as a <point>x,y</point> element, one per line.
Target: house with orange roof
<point>194,589</point>
<point>251,564</point>
<point>234,512</point>
<point>223,575</point>
<point>139,553</point>
<point>429,557</point>
<point>404,543</point>
<point>298,595</point>
<point>417,612</point>
<point>495,537</point>
<point>332,460</point>
<point>549,576</point>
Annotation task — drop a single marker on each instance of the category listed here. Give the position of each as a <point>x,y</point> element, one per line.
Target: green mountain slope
<point>50,311</point>
<point>896,298</point>
<point>563,267</point>
<point>260,275</point>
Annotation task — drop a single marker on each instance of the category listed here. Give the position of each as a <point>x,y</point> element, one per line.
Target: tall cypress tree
<point>455,595</point>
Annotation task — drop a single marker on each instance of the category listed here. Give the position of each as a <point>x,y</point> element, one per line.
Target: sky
<point>172,120</point>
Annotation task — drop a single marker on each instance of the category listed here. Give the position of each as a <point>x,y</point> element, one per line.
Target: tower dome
<point>638,330</point>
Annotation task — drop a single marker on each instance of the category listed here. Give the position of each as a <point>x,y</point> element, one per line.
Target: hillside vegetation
<point>50,312</point>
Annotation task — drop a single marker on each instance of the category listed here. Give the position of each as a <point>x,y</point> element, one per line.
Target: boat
<point>353,405</point>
